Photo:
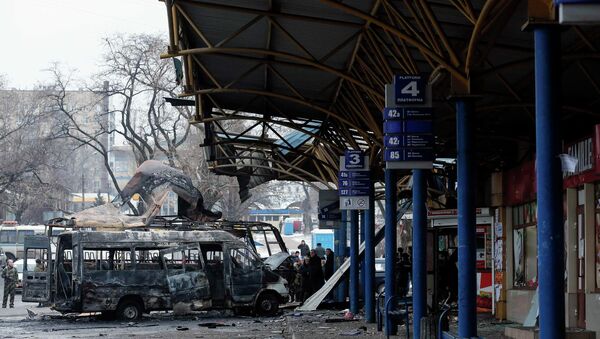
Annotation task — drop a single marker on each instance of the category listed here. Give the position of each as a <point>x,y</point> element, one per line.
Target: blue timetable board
<point>408,140</point>
<point>398,113</point>
<point>354,192</point>
<point>408,154</point>
<point>407,126</point>
<point>360,183</point>
<point>359,175</point>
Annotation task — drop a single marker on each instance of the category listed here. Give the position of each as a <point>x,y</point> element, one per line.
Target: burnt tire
<point>267,305</point>
<point>129,309</point>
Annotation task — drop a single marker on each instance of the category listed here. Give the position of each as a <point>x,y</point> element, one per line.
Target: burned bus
<point>128,273</point>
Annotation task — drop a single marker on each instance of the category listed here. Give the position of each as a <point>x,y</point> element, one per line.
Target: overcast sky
<point>36,33</point>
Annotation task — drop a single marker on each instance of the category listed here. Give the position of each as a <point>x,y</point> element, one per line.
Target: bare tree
<point>28,154</point>
<point>136,81</point>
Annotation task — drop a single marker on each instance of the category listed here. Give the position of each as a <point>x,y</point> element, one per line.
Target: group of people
<point>312,268</point>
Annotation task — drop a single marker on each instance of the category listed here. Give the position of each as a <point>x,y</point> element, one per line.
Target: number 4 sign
<point>410,89</point>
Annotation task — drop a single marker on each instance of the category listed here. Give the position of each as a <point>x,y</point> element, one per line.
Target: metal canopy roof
<point>319,68</point>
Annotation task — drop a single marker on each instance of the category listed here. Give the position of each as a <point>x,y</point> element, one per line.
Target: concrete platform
<point>534,333</point>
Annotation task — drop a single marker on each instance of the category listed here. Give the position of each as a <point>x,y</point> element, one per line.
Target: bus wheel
<point>129,309</point>
<point>267,305</point>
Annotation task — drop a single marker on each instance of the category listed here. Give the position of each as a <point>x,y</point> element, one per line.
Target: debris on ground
<point>338,320</point>
<point>182,328</point>
<point>31,315</point>
<point>214,325</point>
<point>351,333</point>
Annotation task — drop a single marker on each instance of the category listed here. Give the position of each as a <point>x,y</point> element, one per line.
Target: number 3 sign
<point>410,89</point>
<point>354,159</point>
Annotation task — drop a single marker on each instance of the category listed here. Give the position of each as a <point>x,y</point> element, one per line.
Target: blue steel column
<point>419,245</point>
<point>370,259</point>
<point>390,243</point>
<point>467,316</point>
<point>341,254</point>
<point>353,290</point>
<point>549,183</point>
<point>362,261</point>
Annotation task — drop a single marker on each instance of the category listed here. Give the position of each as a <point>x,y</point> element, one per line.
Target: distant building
<point>272,216</point>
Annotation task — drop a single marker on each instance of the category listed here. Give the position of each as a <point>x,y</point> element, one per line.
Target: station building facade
<point>514,197</point>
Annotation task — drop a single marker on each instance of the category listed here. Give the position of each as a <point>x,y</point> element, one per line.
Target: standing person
<point>407,266</point>
<point>39,267</point>
<point>306,283</point>
<point>11,276</point>
<point>297,282</point>
<point>315,270</point>
<point>295,256</point>
<point>304,249</point>
<point>320,251</point>
<point>329,263</point>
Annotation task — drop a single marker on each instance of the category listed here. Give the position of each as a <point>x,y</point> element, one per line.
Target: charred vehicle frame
<point>128,273</point>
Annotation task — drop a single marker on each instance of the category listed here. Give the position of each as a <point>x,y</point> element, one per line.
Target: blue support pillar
<point>353,290</point>
<point>341,255</point>
<point>467,276</point>
<point>551,270</point>
<point>370,259</point>
<point>419,245</point>
<point>362,261</point>
<point>391,197</point>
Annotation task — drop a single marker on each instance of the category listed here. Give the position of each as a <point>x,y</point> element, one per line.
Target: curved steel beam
<point>266,52</point>
<point>280,171</point>
<point>402,36</point>
<point>257,143</point>
<point>481,20</point>
<point>282,123</point>
<point>327,112</point>
<point>308,174</point>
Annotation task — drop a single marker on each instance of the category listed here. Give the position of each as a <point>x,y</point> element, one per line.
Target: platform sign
<point>410,89</point>
<point>354,160</point>
<point>354,181</point>
<point>408,124</point>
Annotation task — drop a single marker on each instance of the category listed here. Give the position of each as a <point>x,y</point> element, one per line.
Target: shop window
<point>525,245</point>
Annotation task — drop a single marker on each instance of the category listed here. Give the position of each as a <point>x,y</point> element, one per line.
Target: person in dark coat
<point>315,271</point>
<point>305,282</point>
<point>304,249</point>
<point>329,264</point>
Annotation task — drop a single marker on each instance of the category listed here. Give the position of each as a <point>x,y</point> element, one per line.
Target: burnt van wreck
<point>128,273</point>
<point>123,260</point>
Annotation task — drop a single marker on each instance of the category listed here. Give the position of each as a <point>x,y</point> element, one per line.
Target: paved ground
<point>321,324</point>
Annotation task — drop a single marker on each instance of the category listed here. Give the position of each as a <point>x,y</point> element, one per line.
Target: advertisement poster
<point>498,255</point>
<point>519,239</point>
<point>499,231</point>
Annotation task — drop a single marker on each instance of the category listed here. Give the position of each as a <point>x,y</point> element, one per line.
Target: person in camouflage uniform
<point>10,275</point>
